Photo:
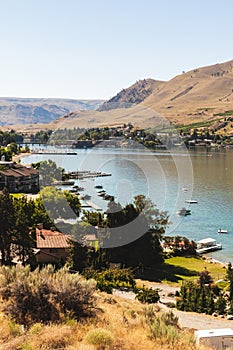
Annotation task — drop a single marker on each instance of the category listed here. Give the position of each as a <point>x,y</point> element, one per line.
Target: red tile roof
<point>51,239</point>
<point>19,170</point>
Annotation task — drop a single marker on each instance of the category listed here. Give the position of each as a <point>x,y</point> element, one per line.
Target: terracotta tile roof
<point>51,239</point>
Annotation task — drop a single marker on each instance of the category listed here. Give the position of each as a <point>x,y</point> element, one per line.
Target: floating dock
<point>85,174</point>
<point>93,205</point>
<point>55,153</point>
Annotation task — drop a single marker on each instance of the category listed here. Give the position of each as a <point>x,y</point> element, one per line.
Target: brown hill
<point>198,95</point>
<point>135,94</point>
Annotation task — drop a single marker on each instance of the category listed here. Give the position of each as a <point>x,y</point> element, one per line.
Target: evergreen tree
<point>7,225</point>
<point>23,239</point>
<point>210,306</point>
<point>220,305</point>
<point>201,301</point>
<point>229,275</point>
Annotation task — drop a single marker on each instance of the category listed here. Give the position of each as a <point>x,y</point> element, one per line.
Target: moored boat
<point>222,231</point>
<point>191,201</point>
<point>207,245</point>
<point>184,212</point>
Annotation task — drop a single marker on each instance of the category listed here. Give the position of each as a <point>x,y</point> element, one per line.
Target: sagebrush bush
<point>165,327</point>
<point>44,295</point>
<point>100,338</point>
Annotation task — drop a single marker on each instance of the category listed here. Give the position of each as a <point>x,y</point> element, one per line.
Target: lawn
<point>198,265</point>
<point>176,269</point>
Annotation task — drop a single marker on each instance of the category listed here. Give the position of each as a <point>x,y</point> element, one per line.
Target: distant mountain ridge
<point>15,110</point>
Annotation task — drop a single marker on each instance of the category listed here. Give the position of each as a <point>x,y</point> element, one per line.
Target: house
<point>53,246</point>
<point>18,178</point>
<point>217,339</point>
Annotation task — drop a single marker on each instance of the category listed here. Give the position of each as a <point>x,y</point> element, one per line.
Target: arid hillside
<point>197,95</point>
<point>202,94</point>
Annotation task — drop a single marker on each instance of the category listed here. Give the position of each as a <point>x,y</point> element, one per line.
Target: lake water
<point>162,176</point>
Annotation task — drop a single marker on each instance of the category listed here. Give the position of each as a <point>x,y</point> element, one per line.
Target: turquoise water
<point>161,176</point>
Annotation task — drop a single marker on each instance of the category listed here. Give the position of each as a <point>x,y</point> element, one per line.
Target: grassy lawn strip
<point>197,265</point>
<point>176,269</point>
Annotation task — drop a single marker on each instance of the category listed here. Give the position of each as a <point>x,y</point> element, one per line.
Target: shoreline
<point>16,158</point>
<point>211,260</point>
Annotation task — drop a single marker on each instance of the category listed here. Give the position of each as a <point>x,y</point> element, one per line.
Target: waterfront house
<point>53,246</point>
<point>18,178</point>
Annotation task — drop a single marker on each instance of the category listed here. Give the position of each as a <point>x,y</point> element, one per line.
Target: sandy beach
<point>16,158</point>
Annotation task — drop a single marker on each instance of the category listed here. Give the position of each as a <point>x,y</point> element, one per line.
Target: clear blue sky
<point>94,48</point>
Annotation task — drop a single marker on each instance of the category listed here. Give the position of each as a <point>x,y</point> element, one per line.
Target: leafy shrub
<point>147,295</point>
<point>14,329</point>
<point>171,305</point>
<point>44,295</point>
<point>36,328</point>
<point>112,278</point>
<point>100,337</point>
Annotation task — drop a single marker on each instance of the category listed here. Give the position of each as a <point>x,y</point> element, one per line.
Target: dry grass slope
<point>118,325</point>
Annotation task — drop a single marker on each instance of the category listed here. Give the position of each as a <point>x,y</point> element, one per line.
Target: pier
<point>93,205</point>
<point>68,153</point>
<point>85,174</point>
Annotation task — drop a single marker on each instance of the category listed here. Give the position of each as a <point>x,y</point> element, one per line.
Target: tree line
<point>205,296</point>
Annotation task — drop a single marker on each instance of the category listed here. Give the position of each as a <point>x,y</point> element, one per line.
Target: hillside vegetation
<point>79,318</point>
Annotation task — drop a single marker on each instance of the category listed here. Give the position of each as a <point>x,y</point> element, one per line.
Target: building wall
<point>52,255</point>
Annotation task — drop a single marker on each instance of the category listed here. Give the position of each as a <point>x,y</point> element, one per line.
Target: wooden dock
<point>93,205</point>
<point>85,174</point>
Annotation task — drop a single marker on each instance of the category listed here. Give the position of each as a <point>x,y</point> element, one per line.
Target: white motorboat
<point>190,201</point>
<point>222,231</point>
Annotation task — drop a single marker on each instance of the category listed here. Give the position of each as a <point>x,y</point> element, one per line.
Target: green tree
<point>229,276</point>
<point>23,239</point>
<point>7,225</point>
<point>142,225</point>
<point>205,278</point>
<point>220,305</point>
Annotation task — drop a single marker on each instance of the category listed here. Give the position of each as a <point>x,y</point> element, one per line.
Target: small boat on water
<point>222,231</point>
<point>184,212</point>
<point>185,189</point>
<point>207,245</point>
<point>99,186</point>
<point>190,201</point>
